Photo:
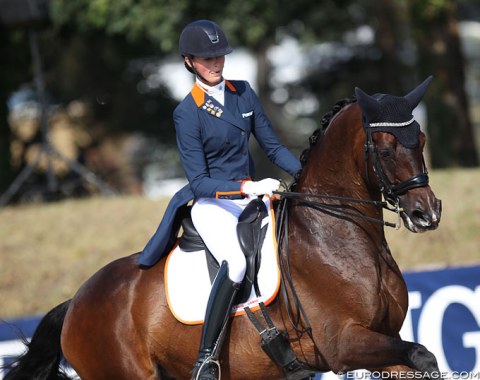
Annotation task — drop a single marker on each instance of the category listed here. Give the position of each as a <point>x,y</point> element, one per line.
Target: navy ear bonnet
<point>393,114</point>
<point>395,110</point>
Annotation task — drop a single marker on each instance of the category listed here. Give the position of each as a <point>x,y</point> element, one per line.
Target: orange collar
<point>230,86</point>
<point>199,95</point>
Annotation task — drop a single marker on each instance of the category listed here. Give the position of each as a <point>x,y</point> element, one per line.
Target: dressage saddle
<point>251,235</point>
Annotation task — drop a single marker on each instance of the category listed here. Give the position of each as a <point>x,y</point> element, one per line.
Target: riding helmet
<point>205,39</point>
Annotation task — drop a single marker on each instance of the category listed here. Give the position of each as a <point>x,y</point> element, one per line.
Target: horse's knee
<point>423,360</point>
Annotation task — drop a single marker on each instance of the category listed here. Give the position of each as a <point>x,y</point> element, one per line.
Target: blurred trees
<point>435,27</point>
<point>98,52</point>
<point>14,61</point>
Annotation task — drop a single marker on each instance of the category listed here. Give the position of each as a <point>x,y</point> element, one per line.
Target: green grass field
<point>47,251</point>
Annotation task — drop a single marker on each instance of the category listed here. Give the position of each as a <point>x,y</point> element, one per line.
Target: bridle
<point>391,192</point>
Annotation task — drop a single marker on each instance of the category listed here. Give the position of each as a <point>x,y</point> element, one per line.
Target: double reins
<point>342,211</point>
<point>295,311</point>
<point>293,305</point>
<point>296,314</point>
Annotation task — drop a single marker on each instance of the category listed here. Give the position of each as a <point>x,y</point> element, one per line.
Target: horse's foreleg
<point>359,348</point>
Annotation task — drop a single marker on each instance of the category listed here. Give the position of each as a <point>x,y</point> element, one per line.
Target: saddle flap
<point>191,241</point>
<point>252,210</point>
<point>249,224</point>
<point>251,234</point>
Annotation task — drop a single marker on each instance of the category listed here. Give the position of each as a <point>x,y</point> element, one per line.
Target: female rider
<point>213,126</point>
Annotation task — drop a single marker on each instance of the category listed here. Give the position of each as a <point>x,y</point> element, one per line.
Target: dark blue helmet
<point>205,39</point>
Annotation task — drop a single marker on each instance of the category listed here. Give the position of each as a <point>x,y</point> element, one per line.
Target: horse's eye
<point>385,153</point>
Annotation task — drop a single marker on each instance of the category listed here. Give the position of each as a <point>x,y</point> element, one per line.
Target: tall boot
<point>219,306</point>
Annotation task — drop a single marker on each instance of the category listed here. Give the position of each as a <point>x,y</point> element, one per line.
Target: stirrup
<point>209,360</point>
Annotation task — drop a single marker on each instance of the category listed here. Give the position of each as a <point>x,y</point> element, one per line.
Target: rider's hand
<point>265,186</point>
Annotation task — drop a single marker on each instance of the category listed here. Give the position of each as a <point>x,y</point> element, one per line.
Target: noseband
<point>390,191</point>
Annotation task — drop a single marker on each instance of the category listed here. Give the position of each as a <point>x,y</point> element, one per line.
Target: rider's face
<point>210,69</point>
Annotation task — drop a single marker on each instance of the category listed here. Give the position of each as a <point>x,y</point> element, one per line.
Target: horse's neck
<point>336,167</point>
<point>336,163</point>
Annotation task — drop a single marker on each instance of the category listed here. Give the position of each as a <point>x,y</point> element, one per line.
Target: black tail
<point>42,359</point>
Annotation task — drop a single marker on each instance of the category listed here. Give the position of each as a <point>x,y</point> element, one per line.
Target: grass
<point>457,240</point>
<point>47,251</point>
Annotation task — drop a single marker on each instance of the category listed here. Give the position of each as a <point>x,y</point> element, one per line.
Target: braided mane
<point>324,123</point>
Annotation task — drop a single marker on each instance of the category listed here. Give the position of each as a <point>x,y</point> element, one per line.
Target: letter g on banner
<point>432,319</point>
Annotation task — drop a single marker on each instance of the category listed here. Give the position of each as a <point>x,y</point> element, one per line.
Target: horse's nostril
<point>424,219</point>
<point>419,215</point>
<point>420,218</point>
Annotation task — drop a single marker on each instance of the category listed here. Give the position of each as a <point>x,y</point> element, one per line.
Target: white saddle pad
<point>188,281</point>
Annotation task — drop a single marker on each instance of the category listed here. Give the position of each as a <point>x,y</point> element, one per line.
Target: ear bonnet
<point>393,114</point>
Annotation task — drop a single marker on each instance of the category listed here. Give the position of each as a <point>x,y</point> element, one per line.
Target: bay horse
<point>343,299</point>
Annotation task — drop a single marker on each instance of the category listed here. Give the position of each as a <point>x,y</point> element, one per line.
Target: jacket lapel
<point>215,109</point>
<point>231,97</point>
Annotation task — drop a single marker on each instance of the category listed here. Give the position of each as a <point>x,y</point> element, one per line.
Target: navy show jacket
<point>213,143</point>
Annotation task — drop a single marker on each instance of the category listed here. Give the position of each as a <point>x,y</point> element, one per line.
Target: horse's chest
<point>394,299</point>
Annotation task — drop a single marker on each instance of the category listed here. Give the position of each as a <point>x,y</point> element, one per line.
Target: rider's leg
<point>218,311</point>
<point>216,221</point>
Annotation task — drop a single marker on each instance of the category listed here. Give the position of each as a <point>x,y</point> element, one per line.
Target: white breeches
<point>216,221</point>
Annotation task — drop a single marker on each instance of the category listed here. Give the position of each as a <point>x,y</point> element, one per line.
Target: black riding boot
<point>218,310</point>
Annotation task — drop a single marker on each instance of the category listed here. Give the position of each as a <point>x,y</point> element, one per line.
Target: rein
<point>293,305</point>
<point>340,210</point>
<point>296,314</point>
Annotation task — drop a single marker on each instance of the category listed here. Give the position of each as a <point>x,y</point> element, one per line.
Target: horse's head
<point>394,143</point>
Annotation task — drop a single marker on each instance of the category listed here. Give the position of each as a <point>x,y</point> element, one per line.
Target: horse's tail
<point>41,361</point>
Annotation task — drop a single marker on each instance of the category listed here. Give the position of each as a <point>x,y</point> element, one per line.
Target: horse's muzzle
<point>423,215</point>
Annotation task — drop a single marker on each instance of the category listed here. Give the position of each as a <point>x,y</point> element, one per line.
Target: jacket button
<point>243,133</point>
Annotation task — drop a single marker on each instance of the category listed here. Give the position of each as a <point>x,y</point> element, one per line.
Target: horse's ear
<point>414,96</point>
<point>368,104</point>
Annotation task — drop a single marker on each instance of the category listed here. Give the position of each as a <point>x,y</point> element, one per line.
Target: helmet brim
<point>203,54</point>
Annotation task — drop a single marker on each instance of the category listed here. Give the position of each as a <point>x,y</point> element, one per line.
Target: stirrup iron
<point>209,360</point>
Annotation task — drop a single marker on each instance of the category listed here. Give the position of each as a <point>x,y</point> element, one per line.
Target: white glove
<point>265,186</point>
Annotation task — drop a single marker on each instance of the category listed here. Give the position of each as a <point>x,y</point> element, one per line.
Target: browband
<point>386,124</point>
